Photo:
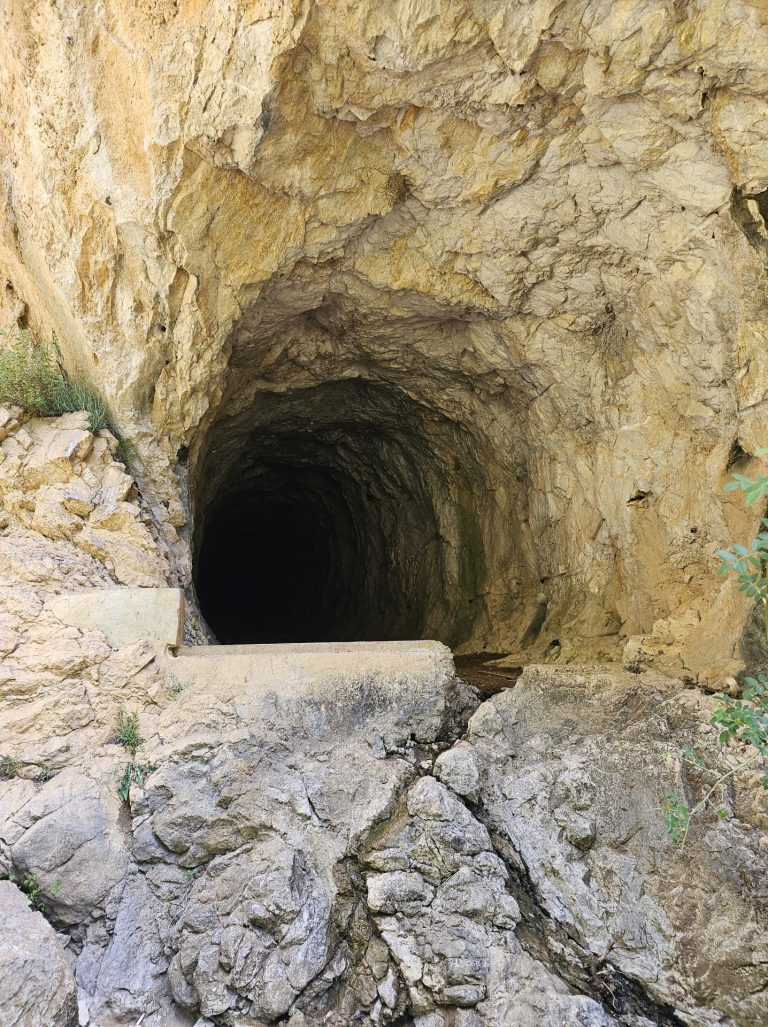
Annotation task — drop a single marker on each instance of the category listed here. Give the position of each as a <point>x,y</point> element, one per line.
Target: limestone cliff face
<point>542,225</point>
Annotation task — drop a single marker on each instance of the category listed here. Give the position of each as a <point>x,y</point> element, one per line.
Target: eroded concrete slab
<point>321,687</point>
<point>400,689</point>
<point>125,615</point>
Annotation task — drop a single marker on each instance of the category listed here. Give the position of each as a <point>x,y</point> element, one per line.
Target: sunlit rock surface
<point>435,319</point>
<point>540,226</point>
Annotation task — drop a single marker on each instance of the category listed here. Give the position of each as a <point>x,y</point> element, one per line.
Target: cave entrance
<point>327,514</point>
<point>268,571</point>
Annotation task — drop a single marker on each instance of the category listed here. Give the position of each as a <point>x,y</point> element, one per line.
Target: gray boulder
<point>37,986</point>
<point>574,770</point>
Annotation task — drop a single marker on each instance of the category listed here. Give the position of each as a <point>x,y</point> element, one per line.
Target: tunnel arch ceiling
<point>348,486</point>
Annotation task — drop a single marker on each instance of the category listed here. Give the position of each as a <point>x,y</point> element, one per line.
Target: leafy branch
<point>744,720</point>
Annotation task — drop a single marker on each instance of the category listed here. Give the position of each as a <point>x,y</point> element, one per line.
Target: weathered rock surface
<point>439,898</point>
<point>529,236</point>
<point>37,987</point>
<point>61,483</point>
<point>280,865</point>
<point>572,786</point>
<point>476,291</point>
<point>68,833</point>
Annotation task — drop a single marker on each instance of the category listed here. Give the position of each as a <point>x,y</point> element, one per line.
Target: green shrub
<point>31,378</point>
<point>744,720</point>
<point>9,768</point>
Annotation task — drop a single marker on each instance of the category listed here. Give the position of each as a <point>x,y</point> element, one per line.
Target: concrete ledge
<point>391,690</point>
<point>292,665</point>
<point>323,687</point>
<point>125,615</point>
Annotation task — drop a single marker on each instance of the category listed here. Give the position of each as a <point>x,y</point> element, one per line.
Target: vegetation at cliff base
<point>31,378</point>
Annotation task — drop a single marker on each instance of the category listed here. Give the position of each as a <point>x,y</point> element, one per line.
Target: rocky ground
<point>514,870</point>
<point>465,864</point>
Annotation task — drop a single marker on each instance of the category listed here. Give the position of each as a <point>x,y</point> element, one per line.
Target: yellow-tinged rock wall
<point>542,222</point>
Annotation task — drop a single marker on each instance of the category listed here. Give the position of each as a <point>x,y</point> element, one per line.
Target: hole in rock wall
<point>337,512</point>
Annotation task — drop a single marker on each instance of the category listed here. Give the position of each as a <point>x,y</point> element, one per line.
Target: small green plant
<point>127,731</point>
<point>30,378</point>
<point>677,818</point>
<point>750,563</point>
<point>132,774</point>
<point>35,891</point>
<point>9,768</point>
<point>743,720</point>
<point>45,774</point>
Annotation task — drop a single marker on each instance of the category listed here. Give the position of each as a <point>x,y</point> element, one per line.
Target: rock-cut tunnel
<point>338,512</point>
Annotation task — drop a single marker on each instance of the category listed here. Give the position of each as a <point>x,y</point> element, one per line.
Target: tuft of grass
<point>31,378</point>
<point>124,448</point>
<point>133,774</point>
<point>9,768</point>
<point>127,731</point>
<point>74,396</point>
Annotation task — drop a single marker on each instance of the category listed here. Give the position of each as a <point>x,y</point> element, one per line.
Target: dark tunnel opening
<point>264,574</point>
<point>324,515</point>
